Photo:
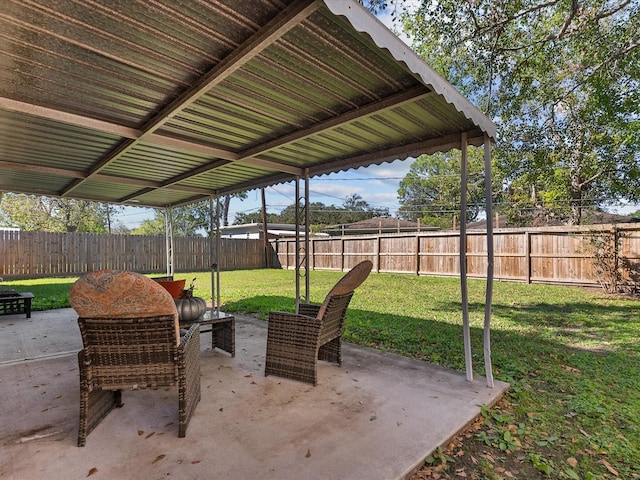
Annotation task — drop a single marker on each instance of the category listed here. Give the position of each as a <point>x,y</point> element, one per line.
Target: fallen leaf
<point>140,432</point>
<point>585,433</point>
<point>608,467</point>
<point>572,461</point>
<point>158,458</point>
<point>92,471</point>
<point>308,453</point>
<point>195,462</point>
<point>150,435</point>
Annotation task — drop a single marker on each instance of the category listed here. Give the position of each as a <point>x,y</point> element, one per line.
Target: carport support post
<point>216,265</point>
<point>463,256</point>
<point>214,249</point>
<point>489,293</point>
<point>298,260</point>
<point>168,233</point>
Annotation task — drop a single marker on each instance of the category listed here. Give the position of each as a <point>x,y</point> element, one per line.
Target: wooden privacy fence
<point>45,254</point>
<point>561,255</point>
<point>535,255</point>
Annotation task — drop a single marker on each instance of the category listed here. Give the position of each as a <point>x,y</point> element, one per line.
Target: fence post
<point>418,252</point>
<point>527,253</point>
<point>378,240</point>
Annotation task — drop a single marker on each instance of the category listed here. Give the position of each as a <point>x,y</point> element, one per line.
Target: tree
<point>255,217</point>
<point>187,221</point>
<point>561,81</point>
<point>225,203</point>
<point>31,212</point>
<point>353,209</point>
<point>430,192</point>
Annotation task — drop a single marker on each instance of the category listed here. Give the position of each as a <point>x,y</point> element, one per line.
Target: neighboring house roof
<point>254,230</point>
<point>376,225</point>
<point>589,217</point>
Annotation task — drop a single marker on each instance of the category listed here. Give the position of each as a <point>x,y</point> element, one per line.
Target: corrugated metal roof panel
<point>168,102</point>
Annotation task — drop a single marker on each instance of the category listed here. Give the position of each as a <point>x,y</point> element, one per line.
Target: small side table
<point>12,302</point>
<point>222,328</point>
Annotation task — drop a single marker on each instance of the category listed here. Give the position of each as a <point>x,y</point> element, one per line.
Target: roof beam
<point>69,118</point>
<point>133,133</point>
<point>24,167</point>
<point>263,38</point>
<point>393,101</point>
<point>401,152</point>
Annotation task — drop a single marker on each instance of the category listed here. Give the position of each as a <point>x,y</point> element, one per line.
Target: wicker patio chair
<point>296,341</point>
<point>131,339</point>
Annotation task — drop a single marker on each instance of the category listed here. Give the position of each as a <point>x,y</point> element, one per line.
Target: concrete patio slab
<point>376,417</point>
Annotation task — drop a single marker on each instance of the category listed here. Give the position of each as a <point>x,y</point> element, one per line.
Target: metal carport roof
<point>162,103</point>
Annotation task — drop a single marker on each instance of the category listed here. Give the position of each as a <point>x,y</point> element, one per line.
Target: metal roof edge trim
<point>362,20</point>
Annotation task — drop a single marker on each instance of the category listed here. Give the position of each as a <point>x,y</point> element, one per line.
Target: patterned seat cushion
<point>121,294</point>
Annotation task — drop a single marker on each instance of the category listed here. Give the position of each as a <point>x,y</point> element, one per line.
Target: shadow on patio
<point>377,417</point>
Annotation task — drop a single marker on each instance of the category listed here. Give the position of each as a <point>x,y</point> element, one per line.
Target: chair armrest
<point>308,309</point>
<point>191,336</point>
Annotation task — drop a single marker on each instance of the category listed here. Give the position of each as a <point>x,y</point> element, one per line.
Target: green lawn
<point>572,357</point>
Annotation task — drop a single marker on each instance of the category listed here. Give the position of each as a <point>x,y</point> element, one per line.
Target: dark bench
<point>12,302</point>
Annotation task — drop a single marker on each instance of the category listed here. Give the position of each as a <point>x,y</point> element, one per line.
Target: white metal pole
<point>490,262</point>
<point>212,255</point>
<point>168,231</point>
<point>307,218</point>
<point>463,257</point>
<point>218,256</point>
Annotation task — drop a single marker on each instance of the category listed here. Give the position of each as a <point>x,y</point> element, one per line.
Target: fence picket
<point>534,255</point>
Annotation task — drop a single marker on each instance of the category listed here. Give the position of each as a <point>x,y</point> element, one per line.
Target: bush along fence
<point>603,255</point>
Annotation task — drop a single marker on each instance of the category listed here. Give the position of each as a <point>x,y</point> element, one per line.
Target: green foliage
<point>431,190</point>
<point>438,457</point>
<point>561,81</point>
<point>32,213</point>
<point>501,433</point>
<point>354,209</point>
<point>187,221</point>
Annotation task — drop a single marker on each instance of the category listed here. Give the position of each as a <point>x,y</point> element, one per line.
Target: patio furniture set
<point>133,338</point>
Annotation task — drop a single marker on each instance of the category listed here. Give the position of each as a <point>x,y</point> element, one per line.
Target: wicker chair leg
<point>94,406</point>
<point>331,351</point>
<point>188,378</point>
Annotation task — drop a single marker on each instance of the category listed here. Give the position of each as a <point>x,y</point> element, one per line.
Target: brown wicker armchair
<point>130,334</point>
<point>296,341</point>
